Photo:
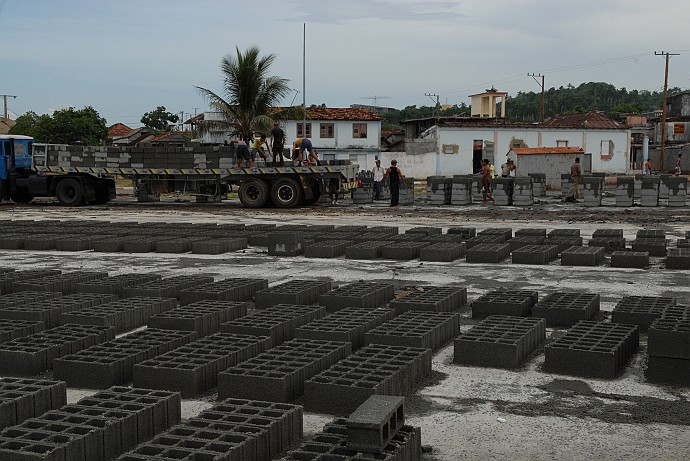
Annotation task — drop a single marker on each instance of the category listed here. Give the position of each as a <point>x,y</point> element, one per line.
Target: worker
<point>242,153</point>
<point>648,167</point>
<point>258,144</point>
<point>575,177</point>
<point>277,144</point>
<point>486,183</point>
<point>299,147</point>
<point>395,178</point>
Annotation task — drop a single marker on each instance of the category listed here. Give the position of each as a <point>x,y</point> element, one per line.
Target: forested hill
<point>525,107</point>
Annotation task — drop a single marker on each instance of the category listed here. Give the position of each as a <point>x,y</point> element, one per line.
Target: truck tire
<point>286,193</point>
<point>253,193</point>
<point>22,198</point>
<point>315,192</point>
<point>69,192</point>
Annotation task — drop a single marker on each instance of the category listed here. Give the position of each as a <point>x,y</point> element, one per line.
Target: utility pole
<point>4,98</point>
<point>182,120</point>
<point>534,76</point>
<point>663,109</point>
<point>432,95</point>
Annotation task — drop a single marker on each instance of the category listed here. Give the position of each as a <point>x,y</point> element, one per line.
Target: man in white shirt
<point>378,178</point>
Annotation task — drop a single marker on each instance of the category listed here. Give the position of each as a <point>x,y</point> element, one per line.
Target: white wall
<point>342,134</point>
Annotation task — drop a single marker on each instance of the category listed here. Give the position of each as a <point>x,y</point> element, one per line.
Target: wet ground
<point>465,412</point>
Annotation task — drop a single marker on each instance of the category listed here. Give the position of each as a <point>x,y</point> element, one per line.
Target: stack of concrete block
<point>123,315</point>
<point>331,444</point>
<point>669,348</point>
<point>232,289</point>
<point>426,231</point>
<point>500,341</point>
<point>24,398</point>
<point>13,329</point>
<point>514,303</point>
<point>372,426</point>
<point>488,253</point>
<point>538,184</point>
<point>429,330</point>
<point>204,317</point>
<point>592,190</point>
<point>649,194</point>
<point>567,308</point>
<point>482,239</point>
<point>630,259</point>
<point>52,312</point>
<point>637,189</point>
<point>592,350</point>
<point>170,287</point>
<point>347,325</point>
<point>678,258</point>
<point>531,232</point>
<point>611,239</point>
<point>365,192</point>
<point>465,232</point>
<point>326,248</point>
<point>523,193</point>
<point>63,283</point>
<point>677,190</point>
<point>407,192</point>
<point>641,310</point>
<point>527,240</point>
<point>357,294</point>
<point>35,353</point>
<point>443,238</point>
<point>194,368</point>
<point>112,363</point>
<point>430,299</point>
<point>653,246</point>
<point>217,246</point>
<point>439,190</point>
<point>99,427</point>
<point>477,190</point>
<point>505,232</point>
<point>114,285</point>
<point>535,254</point>
<point>461,191</point>
<point>582,256</point>
<point>503,191</point>
<point>566,182</point>
<point>279,374</point>
<point>625,191</point>
<point>403,251</point>
<point>442,252</point>
<point>365,250</point>
<point>292,292</point>
<point>278,322</point>
<point>376,369</point>
<point>286,243</point>
<point>664,185</point>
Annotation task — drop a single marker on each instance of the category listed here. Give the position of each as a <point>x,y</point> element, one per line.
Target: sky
<point>127,57</point>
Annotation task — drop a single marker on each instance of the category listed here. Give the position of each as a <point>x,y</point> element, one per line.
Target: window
<point>606,150</point>
<point>300,130</point>
<point>561,143</point>
<point>359,130</point>
<point>326,130</point>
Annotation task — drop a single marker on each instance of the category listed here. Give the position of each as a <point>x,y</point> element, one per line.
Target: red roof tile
<point>593,120</point>
<point>119,129</point>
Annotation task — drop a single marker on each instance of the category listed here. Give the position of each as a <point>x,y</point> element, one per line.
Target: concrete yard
<point>465,412</point>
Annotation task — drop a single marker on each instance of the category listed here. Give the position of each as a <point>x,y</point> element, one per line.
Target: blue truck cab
<point>15,153</point>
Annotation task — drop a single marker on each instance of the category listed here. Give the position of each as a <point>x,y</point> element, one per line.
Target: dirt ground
<point>465,412</point>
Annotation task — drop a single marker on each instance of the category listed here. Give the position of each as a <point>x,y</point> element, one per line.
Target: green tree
<point>159,119</point>
<point>65,126</point>
<point>250,95</point>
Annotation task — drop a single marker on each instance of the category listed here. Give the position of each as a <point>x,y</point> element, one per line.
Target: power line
<point>663,109</point>
<point>375,98</point>
<point>534,76</point>
<point>431,95</point>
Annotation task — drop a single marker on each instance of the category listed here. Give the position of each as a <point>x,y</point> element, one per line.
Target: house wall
<point>342,134</point>
<point>553,165</point>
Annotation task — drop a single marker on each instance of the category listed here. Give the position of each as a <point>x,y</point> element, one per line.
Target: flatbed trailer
<point>78,175</point>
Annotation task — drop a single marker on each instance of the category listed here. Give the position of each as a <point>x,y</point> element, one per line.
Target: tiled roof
<point>178,135</point>
<point>119,129</point>
<point>592,120</point>
<point>546,150</point>
<point>338,113</point>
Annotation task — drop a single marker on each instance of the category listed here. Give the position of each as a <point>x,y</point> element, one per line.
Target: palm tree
<point>251,95</point>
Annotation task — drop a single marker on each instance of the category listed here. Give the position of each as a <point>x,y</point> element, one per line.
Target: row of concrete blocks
<point>668,345</point>
<point>357,294</point>
<point>112,363</point>
<point>63,283</point>
<point>8,279</point>
<point>232,289</point>
<point>278,322</point>
<point>517,303</point>
<point>193,368</point>
<point>115,284</point>
<point>279,374</point>
<point>203,317</point>
<point>374,369</point>
<point>35,353</point>
<point>96,428</point>
<point>24,398</point>
<point>592,350</point>
<point>641,310</point>
<point>233,430</point>
<point>499,341</point>
<point>292,292</point>
<point>123,315</point>
<point>13,329</point>
<point>170,287</point>
<point>346,325</point>
<point>331,444</point>
<point>428,330</point>
<point>649,190</point>
<point>429,299</point>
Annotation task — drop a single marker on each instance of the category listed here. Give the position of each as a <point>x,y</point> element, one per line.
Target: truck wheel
<point>22,198</point>
<point>315,192</point>
<point>253,193</point>
<point>69,192</point>
<point>286,193</point>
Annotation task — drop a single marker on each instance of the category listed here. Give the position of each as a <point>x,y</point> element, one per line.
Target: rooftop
<point>546,150</point>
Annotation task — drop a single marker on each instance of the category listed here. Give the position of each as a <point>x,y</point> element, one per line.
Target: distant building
<point>484,104</point>
<point>6,124</point>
